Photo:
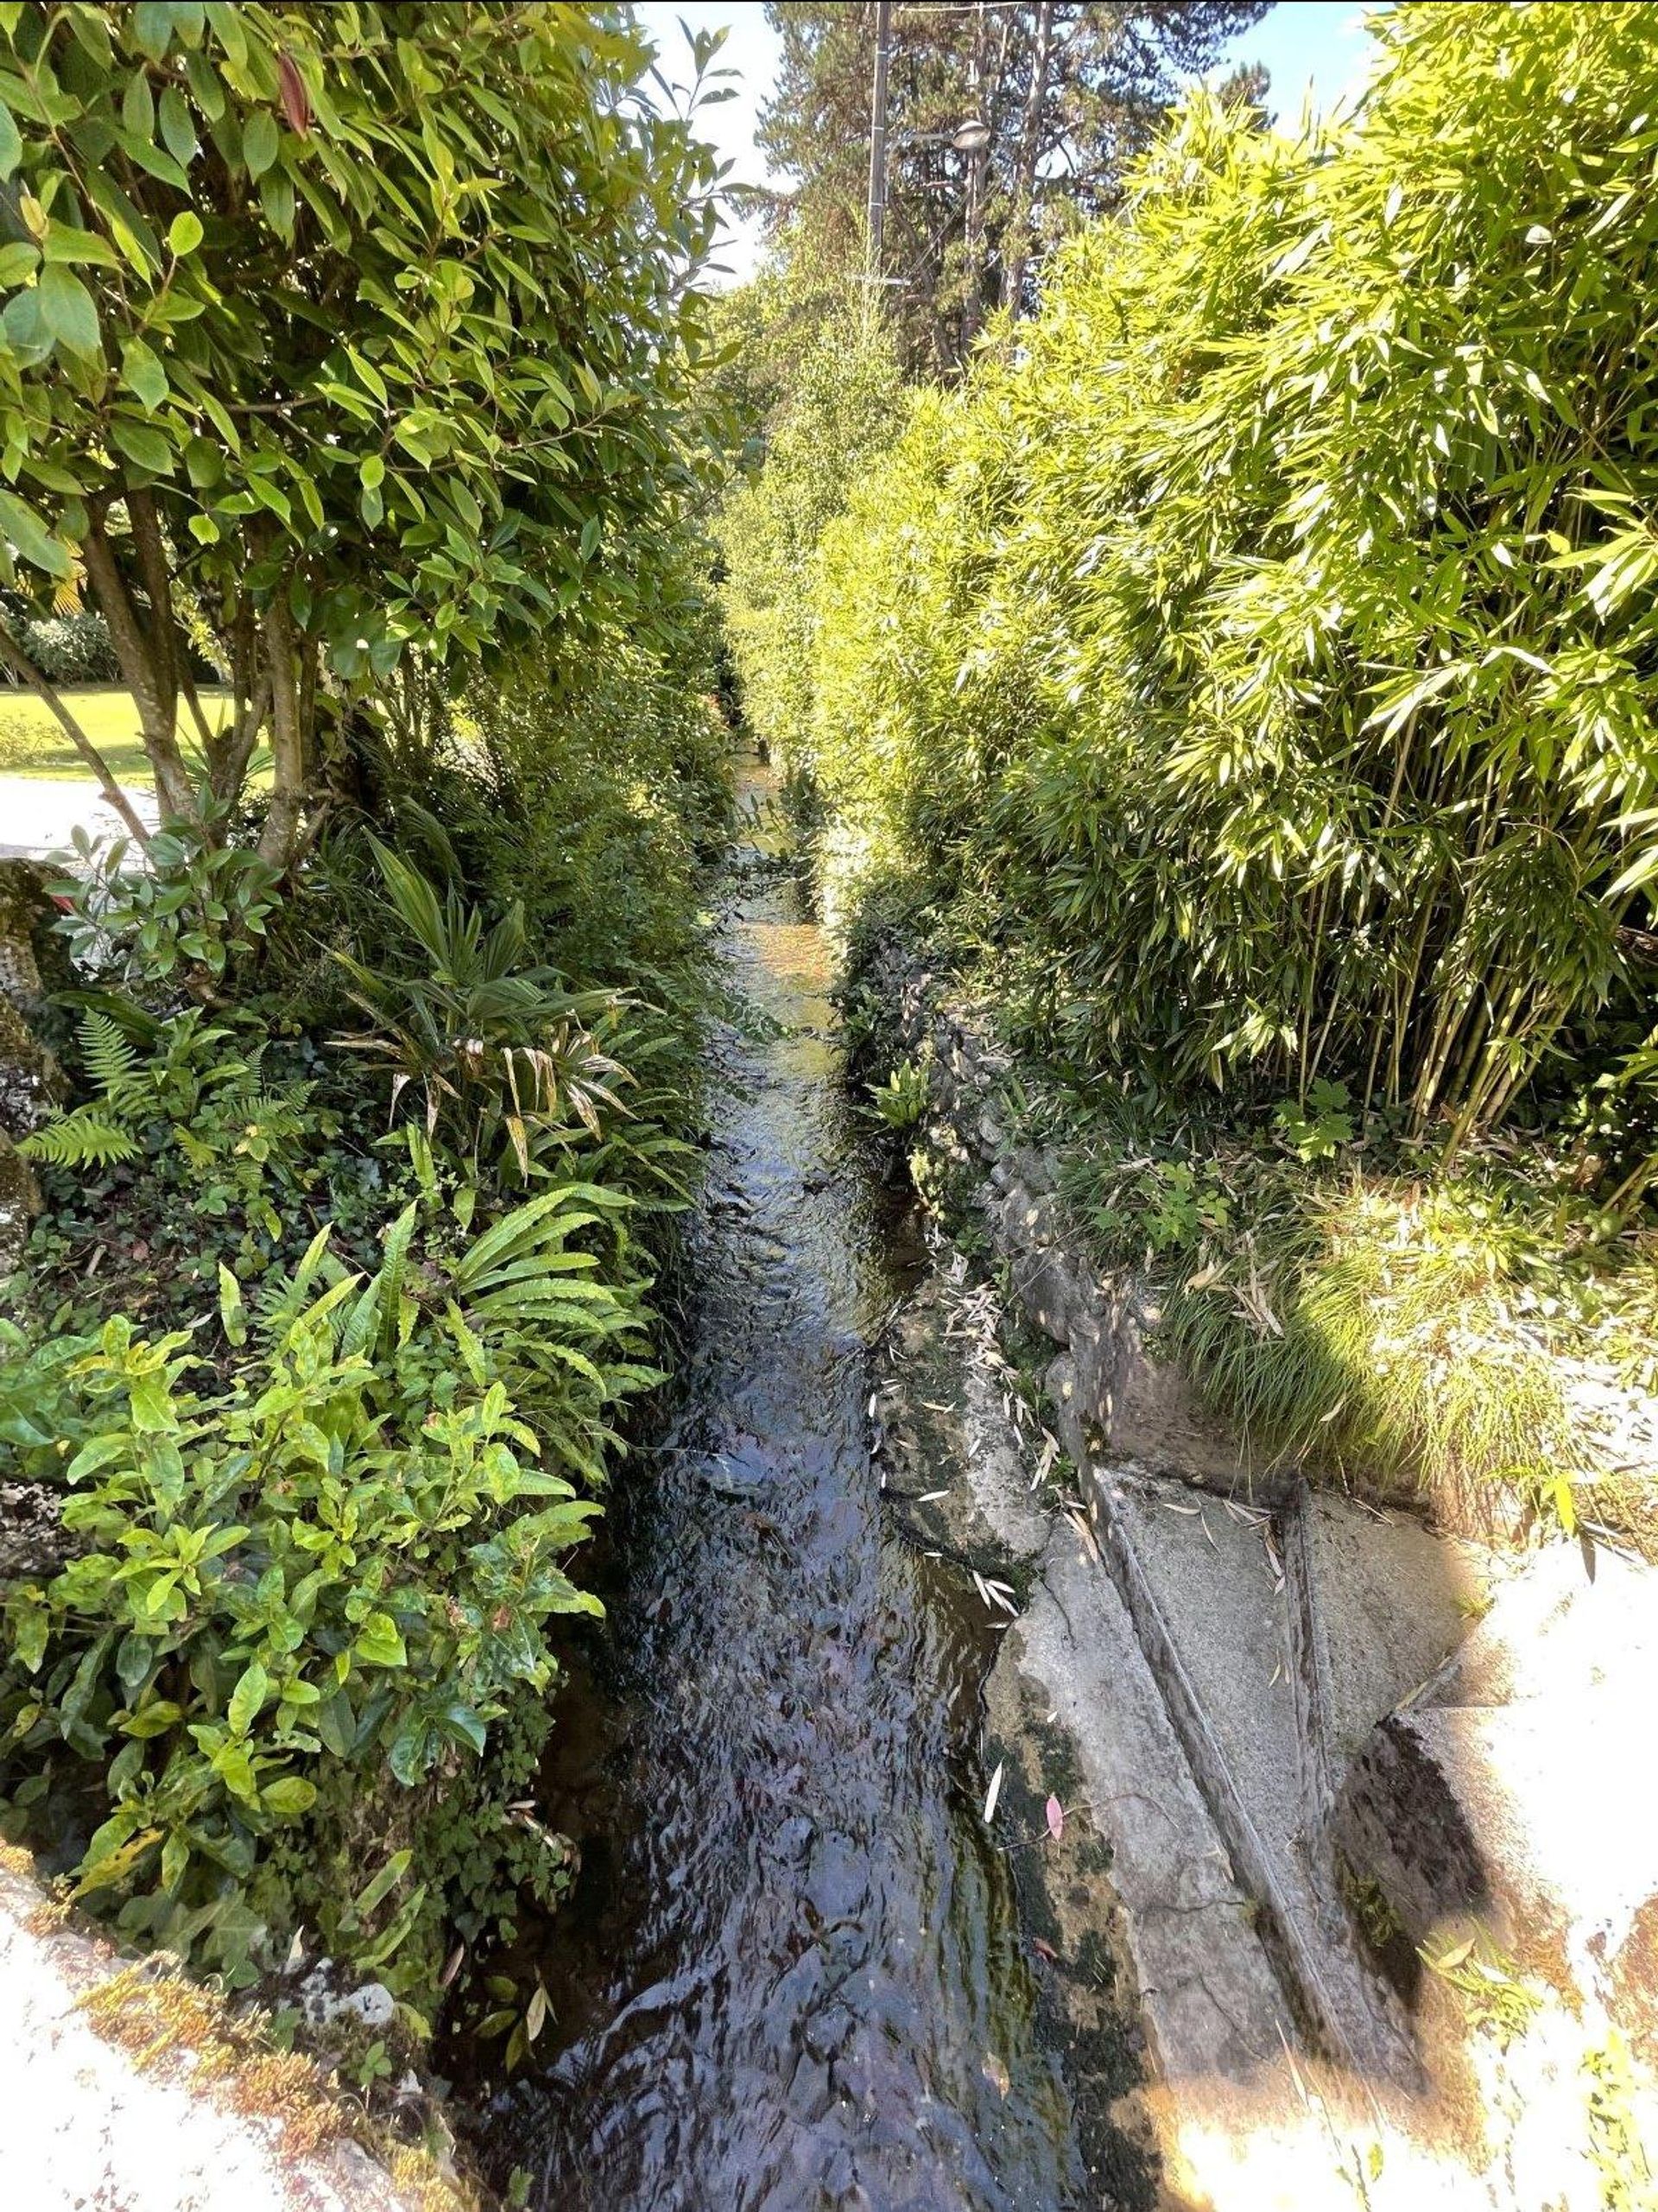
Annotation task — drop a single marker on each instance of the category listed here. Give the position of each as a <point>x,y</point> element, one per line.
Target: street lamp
<point>971,136</point>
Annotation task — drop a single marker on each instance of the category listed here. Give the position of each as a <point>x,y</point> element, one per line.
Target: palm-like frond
<point>89,1137</point>
<point>502,1050</point>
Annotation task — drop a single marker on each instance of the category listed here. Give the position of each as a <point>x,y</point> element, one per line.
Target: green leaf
<point>69,313</point>
<point>145,447</point>
<point>144,372</point>
<point>462,1721</point>
<point>379,1643</point>
<point>175,1860</point>
<point>375,1892</point>
<point>232,1311</point>
<point>152,27</point>
<point>248,1698</point>
<point>31,537</point>
<point>64,244</point>
<point>184,233</point>
<point>178,132</point>
<point>337,1725</point>
<point>11,144</point>
<point>288,1797</point>
<point>154,1719</point>
<point>411,1751</point>
<point>30,1625</point>
<point>259,142</point>
<point>235,1769</point>
<point>138,106</point>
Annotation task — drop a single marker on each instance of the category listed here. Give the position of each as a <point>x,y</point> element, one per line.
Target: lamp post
<point>878,134</point>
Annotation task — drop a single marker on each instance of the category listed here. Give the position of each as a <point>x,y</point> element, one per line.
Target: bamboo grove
<point>1259,646</point>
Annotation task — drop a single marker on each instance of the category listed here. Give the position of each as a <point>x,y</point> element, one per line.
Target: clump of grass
<point>156,2014</point>
<point>1377,1332</point>
<point>1373,1319</point>
<point>1496,1998</point>
<point>152,2010</point>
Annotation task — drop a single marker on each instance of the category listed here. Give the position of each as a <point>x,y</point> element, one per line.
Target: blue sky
<point>1315,47</point>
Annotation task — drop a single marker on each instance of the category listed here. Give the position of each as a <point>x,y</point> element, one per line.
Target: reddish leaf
<point>296,101</point>
<point>1044,1950</point>
<point>1055,1818</point>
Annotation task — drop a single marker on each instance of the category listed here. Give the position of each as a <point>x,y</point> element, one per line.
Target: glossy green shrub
<point>343,1554</point>
<point>351,330</point>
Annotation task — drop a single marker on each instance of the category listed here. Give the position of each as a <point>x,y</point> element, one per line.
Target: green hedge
<point>1260,648</point>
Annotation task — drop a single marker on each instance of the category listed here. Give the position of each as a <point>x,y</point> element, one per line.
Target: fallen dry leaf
<point>993,1793</point>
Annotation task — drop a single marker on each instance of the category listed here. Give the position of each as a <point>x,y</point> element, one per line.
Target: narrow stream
<point>790,1978</point>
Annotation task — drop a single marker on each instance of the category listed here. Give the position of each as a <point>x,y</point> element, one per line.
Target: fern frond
<point>111,1057</point>
<point>88,1138</point>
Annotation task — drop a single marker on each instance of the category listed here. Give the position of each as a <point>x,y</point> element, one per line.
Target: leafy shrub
<point>900,1102</point>
<point>301,1677</point>
<point>236,1132</point>
<point>1259,657</point>
<point>478,1039</point>
<point>344,1556</point>
<point>184,909</point>
<point>270,355</point>
<point>70,648</point>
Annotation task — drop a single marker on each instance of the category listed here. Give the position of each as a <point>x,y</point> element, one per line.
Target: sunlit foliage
<point>1263,646</point>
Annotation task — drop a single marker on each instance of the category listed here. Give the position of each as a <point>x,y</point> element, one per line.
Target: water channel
<point>791,1978</point>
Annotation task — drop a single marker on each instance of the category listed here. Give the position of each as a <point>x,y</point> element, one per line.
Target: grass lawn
<point>33,744</point>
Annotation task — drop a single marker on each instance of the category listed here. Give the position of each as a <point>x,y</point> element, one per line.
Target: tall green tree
<point>1070,90</point>
<point>347,332</point>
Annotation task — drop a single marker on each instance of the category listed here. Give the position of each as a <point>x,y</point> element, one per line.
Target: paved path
<point>37,813</point>
<point>107,2118</point>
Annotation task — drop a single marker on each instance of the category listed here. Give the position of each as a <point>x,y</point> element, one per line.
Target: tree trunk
<point>1031,149</point>
<point>146,650</point>
<point>279,840</point>
<point>978,172</point>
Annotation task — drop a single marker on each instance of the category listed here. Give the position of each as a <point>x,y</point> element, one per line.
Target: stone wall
<point>1109,1396</point>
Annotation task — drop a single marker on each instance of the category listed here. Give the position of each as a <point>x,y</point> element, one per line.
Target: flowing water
<point>790,1978</point>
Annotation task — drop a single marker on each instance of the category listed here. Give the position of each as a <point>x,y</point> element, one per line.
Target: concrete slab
<point>1533,1820</point>
<point>1565,1623</point>
<point>1204,1584</point>
<point>1213,2005</point>
<point>1376,1604</point>
<point>1515,1790</point>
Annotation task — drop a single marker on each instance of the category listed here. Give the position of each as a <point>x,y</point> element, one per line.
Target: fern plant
<point>96,1134</point>
<point>193,1092</point>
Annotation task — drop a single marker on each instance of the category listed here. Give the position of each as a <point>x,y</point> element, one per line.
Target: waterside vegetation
<point>1243,678</point>
<point>362,360</point>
